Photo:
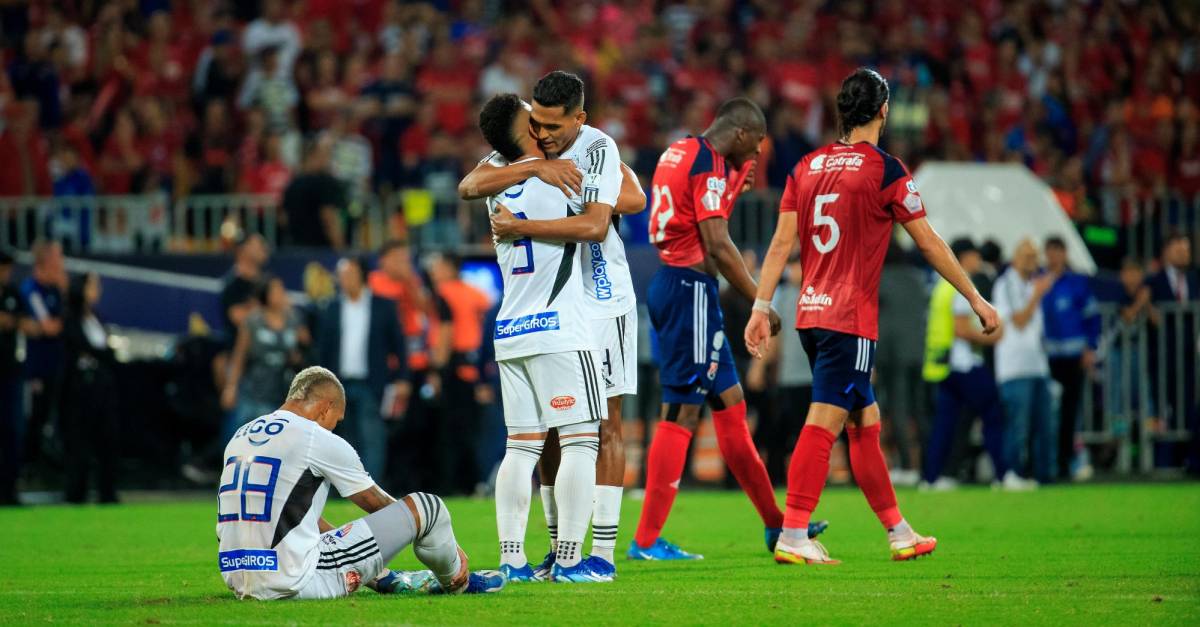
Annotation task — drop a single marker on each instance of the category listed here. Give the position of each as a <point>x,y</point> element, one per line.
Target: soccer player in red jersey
<point>841,202</point>
<point>694,187</point>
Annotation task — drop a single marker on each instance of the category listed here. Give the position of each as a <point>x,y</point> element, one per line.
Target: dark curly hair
<point>496,121</point>
<point>559,89</point>
<point>860,98</point>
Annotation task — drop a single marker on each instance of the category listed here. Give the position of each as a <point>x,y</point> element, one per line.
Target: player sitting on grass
<point>274,544</point>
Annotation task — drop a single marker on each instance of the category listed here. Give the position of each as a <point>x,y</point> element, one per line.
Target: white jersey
<point>276,478</point>
<point>543,309</point>
<point>606,270</point>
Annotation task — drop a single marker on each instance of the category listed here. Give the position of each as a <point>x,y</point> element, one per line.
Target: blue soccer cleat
<point>542,571</point>
<point>661,550</point>
<point>772,533</point>
<point>583,572</point>
<point>524,574</point>
<point>478,582</point>
<point>405,582</point>
<point>601,566</point>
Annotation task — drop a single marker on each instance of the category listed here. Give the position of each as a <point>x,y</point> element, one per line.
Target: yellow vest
<point>939,332</point>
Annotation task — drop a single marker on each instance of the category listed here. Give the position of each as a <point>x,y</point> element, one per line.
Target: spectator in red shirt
<point>1186,174</point>
<point>26,153</point>
<point>270,175</point>
<point>121,161</point>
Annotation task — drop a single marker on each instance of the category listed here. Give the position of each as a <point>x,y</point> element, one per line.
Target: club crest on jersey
<point>533,323</point>
<point>810,300</point>
<point>562,403</point>
<point>600,273</point>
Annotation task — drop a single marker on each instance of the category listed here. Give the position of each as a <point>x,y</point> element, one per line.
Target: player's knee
<point>431,512</point>
<point>581,439</point>
<point>530,449</point>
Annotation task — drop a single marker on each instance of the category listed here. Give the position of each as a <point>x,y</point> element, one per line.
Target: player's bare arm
<point>722,253</point>
<point>758,329</point>
<point>488,180</point>
<point>372,499</point>
<point>939,255</point>
<point>632,199</point>
<point>590,226</point>
<point>965,328</point>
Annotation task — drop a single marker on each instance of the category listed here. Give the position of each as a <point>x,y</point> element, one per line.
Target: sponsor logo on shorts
<point>248,559</point>
<point>344,531</point>
<point>533,323</point>
<point>353,581</point>
<point>562,403</point>
<point>810,300</point>
<point>712,370</point>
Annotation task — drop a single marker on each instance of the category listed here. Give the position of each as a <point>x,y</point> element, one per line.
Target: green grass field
<point>1065,555</point>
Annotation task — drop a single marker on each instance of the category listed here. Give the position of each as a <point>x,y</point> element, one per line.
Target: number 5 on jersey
<point>819,220</point>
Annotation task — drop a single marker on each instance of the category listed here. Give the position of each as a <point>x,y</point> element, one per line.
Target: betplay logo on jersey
<point>810,300</point>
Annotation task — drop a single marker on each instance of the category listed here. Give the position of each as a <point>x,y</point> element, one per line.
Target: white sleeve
<point>334,458</point>
<point>961,306</point>
<point>1000,297</point>
<point>602,178</point>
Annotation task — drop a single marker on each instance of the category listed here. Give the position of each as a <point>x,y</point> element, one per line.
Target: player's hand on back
<point>560,173</point>
<point>504,224</point>
<point>758,330</point>
<point>989,318</point>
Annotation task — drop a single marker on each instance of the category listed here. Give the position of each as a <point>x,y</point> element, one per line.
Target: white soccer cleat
<point>941,484</point>
<point>806,551</point>
<point>1013,482</point>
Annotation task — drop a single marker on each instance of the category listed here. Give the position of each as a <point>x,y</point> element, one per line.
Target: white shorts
<point>540,392</point>
<point>350,558</point>
<point>618,336</point>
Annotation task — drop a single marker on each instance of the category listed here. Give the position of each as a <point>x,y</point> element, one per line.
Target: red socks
<point>737,447</point>
<point>806,475</point>
<point>664,468</point>
<point>871,473</point>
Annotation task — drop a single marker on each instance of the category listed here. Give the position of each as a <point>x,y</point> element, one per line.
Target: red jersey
<point>846,198</point>
<point>691,184</point>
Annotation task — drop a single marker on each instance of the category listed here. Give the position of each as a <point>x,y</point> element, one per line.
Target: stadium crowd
<point>325,105</point>
<point>213,97</point>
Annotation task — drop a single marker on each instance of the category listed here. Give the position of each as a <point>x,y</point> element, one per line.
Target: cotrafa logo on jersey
<point>600,273</point>
<point>545,321</point>
<point>810,300</point>
<point>848,161</point>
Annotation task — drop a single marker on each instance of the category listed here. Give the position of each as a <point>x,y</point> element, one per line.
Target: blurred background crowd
<point>330,110</point>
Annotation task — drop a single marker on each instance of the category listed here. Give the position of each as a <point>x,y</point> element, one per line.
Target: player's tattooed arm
<point>590,226</point>
<point>372,499</point>
<point>633,198</point>
<point>488,180</point>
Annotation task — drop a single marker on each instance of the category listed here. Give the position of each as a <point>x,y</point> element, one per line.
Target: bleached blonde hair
<point>306,383</point>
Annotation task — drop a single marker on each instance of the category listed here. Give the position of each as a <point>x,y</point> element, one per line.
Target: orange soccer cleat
<point>912,546</point>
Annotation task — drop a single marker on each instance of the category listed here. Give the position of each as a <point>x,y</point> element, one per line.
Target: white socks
<point>605,518</point>
<point>514,488</point>
<point>435,545</point>
<point>550,508</point>
<point>576,483</point>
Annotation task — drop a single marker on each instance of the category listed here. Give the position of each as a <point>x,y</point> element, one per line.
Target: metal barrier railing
<point>1146,382</point>
<point>106,224</point>
<point>1148,220</point>
<point>151,223</point>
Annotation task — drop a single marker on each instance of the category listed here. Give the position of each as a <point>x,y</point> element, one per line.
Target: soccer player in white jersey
<point>274,543</point>
<point>584,162</point>
<point>549,358</point>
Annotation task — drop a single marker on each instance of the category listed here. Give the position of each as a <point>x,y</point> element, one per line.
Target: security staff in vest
<point>954,361</point>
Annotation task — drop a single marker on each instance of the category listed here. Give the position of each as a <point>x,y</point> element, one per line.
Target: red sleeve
<point>900,196</point>
<point>708,193</point>
<point>787,203</point>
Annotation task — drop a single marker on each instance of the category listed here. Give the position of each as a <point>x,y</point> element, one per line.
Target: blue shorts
<point>841,368</point>
<point>693,354</point>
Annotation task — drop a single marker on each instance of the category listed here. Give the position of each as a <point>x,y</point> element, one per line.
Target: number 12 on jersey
<point>662,209</point>
<point>820,219</point>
